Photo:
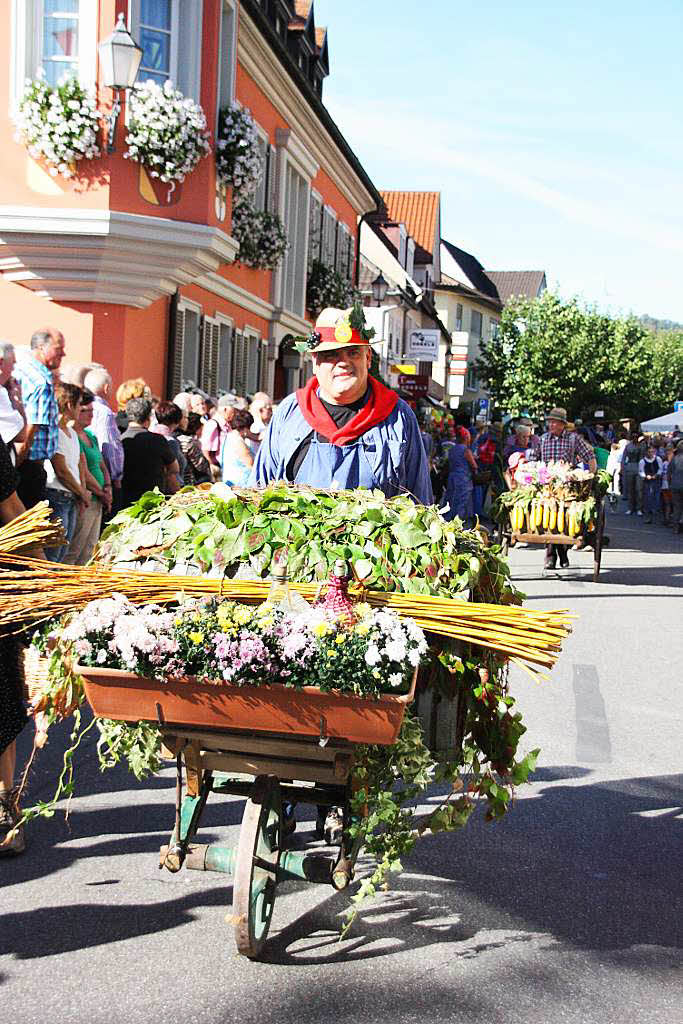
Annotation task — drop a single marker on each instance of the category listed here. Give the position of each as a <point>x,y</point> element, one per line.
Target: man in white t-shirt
<point>12,415</point>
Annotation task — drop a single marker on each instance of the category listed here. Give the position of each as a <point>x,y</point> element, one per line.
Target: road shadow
<point>590,865</point>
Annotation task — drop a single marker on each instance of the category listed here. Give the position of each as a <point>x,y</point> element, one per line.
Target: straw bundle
<point>33,590</point>
<point>33,528</point>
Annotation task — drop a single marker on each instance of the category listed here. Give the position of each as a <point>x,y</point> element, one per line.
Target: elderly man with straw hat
<point>344,429</point>
<point>559,445</point>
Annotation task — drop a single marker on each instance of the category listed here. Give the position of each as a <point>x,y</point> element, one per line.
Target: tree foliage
<point>549,352</point>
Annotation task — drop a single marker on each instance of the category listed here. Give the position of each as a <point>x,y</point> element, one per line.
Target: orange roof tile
<point>320,34</point>
<point>419,211</point>
<point>302,7</point>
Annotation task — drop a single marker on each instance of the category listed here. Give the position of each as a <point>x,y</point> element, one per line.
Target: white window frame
<point>261,194</point>
<point>186,25</point>
<point>471,379</point>
<point>225,91</point>
<point>402,245</point>
<point>296,307</point>
<point>331,262</point>
<point>25,56</point>
<point>410,256</point>
<point>315,195</point>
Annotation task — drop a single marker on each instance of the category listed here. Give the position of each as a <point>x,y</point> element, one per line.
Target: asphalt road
<point>566,911</point>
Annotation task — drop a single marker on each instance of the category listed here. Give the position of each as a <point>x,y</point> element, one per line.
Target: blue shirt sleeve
<point>417,479</point>
<point>37,405</point>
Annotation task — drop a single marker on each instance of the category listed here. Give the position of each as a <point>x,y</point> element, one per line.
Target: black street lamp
<point>120,58</point>
<point>380,287</point>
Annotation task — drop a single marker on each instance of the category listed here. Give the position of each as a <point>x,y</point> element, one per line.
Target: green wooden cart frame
<point>267,770</point>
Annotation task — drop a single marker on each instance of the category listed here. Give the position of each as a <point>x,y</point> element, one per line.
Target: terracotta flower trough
<point>276,708</point>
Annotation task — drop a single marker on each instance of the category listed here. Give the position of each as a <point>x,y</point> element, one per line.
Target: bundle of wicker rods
<point>33,590</point>
<point>32,528</point>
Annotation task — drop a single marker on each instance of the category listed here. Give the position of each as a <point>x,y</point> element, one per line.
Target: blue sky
<point>553,132</point>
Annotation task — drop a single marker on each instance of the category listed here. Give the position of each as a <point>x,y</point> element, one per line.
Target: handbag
<point>482,478</point>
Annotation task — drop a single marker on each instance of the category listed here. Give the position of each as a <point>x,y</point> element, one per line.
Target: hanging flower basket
<point>261,235</point>
<point>167,132</point>
<point>238,158</point>
<point>326,287</point>
<point>58,124</point>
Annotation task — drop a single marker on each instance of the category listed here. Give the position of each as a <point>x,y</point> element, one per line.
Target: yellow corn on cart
<point>532,530</point>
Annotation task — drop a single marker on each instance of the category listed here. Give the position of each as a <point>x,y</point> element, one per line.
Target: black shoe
<point>548,571</point>
<point>565,564</point>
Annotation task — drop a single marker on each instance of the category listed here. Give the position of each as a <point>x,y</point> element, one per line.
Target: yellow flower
<point>196,637</point>
<point>242,615</point>
<point>321,629</point>
<point>331,653</point>
<point>362,630</point>
<point>362,610</point>
<point>340,638</point>
<point>376,673</point>
<point>178,621</point>
<point>267,622</point>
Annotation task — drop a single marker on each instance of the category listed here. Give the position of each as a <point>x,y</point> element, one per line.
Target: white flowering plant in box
<point>238,157</point>
<point>167,132</point>
<point>261,234</point>
<point>58,124</point>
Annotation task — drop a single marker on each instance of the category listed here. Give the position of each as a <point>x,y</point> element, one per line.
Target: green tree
<point>664,377</point>
<point>549,352</point>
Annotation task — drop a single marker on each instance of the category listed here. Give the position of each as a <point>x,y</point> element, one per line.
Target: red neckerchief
<point>375,410</point>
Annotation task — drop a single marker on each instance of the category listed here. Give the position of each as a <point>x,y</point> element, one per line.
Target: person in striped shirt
<point>559,445</point>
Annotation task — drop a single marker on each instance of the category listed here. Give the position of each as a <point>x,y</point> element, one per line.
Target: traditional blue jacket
<point>389,456</point>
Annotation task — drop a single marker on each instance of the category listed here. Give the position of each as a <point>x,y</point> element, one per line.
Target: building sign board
<point>423,345</point>
<point>414,385</point>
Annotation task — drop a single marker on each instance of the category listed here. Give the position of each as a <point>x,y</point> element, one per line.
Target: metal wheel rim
<point>258,855</point>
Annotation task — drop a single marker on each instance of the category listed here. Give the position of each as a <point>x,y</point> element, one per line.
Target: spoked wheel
<point>258,855</point>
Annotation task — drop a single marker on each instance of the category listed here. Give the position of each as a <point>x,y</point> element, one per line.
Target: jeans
<point>63,504</point>
<point>629,489</point>
<point>651,496</point>
<point>86,534</point>
<point>677,502</point>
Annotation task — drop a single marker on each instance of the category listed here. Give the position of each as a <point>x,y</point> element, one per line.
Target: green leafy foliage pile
<point>393,545</point>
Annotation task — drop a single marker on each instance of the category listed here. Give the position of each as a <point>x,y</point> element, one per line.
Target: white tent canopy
<point>663,424</point>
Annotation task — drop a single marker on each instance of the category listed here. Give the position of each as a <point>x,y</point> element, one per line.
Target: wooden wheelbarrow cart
<point>269,744</point>
<point>507,537</point>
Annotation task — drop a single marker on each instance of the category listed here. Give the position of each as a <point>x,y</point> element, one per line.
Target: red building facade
<point>143,277</point>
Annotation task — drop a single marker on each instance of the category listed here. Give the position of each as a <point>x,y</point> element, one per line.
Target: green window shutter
<point>224,371</point>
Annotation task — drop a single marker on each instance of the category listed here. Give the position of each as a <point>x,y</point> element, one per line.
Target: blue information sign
<point>678,406</point>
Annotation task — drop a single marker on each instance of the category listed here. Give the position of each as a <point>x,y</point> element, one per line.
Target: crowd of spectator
<point>69,446</point>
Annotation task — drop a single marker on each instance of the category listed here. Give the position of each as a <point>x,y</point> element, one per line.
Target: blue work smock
<point>389,456</point>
